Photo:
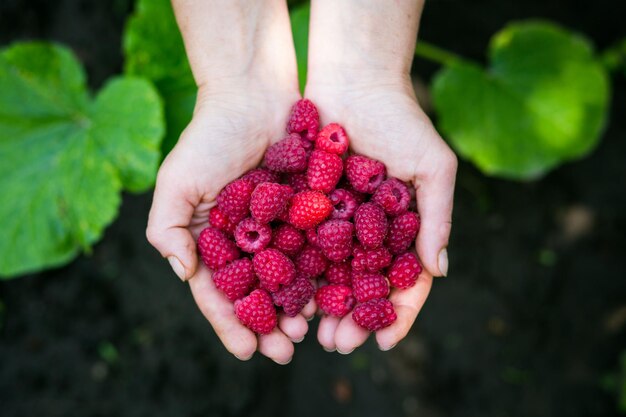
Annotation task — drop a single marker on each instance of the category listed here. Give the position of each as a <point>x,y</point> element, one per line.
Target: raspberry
<point>234,200</point>
<point>273,269</point>
<point>288,239</point>
<point>219,220</point>
<point>393,196</point>
<point>371,260</point>
<point>358,196</point>
<point>332,139</point>
<point>370,223</point>
<point>404,270</point>
<point>257,312</point>
<point>236,279</point>
<point>252,236</point>
<point>259,175</point>
<point>339,273</point>
<point>335,239</point>
<point>308,209</point>
<point>364,174</point>
<point>311,261</point>
<point>216,250</point>
<point>304,119</point>
<point>335,300</point>
<point>293,297</point>
<point>369,285</point>
<point>402,232</point>
<point>287,155</point>
<point>311,237</point>
<point>269,200</point>
<point>324,171</point>
<point>344,204</point>
<point>298,182</point>
<point>374,314</point>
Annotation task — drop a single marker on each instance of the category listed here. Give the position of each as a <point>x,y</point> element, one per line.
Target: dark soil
<point>530,322</point>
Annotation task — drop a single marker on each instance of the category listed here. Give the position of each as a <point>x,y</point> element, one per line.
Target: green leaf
<point>542,101</point>
<point>300,29</point>
<point>64,158</point>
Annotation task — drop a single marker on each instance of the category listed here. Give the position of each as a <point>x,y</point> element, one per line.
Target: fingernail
<point>345,353</point>
<point>243,359</point>
<point>385,349</point>
<point>178,268</point>
<point>443,262</point>
<point>299,340</point>
<point>284,363</point>
<point>328,350</point>
<point>310,318</point>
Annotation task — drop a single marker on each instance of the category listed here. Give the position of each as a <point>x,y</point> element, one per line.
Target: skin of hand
<point>360,55</point>
<point>242,107</point>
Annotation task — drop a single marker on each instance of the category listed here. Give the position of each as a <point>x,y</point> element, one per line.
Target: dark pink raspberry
<point>370,223</point>
<point>404,270</point>
<point>304,120</point>
<point>358,197</point>
<point>364,174</point>
<point>252,236</point>
<point>288,239</point>
<point>216,249</point>
<point>298,182</point>
<point>219,220</point>
<point>402,232</point>
<point>287,155</point>
<point>269,200</point>
<point>308,209</point>
<point>236,279</point>
<point>344,204</point>
<point>273,269</point>
<point>339,273</point>
<point>393,196</point>
<point>259,175</point>
<point>234,200</point>
<point>311,237</point>
<point>375,314</point>
<point>311,261</point>
<point>335,300</point>
<point>324,171</point>
<point>257,312</point>
<point>335,239</point>
<point>371,260</point>
<point>369,285</point>
<point>293,297</point>
<point>333,139</point>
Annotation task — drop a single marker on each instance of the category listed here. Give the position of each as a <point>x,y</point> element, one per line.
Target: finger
<point>219,311</point>
<point>309,310</point>
<point>326,332</point>
<point>407,304</point>
<point>349,335</point>
<point>276,346</point>
<point>294,328</point>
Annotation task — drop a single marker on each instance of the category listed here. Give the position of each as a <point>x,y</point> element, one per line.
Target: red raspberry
<point>219,220</point>
<point>298,182</point>
<point>324,171</point>
<point>311,261</point>
<point>369,285</point>
<point>339,273</point>
<point>257,312</point>
<point>288,239</point>
<point>304,119</point>
<point>252,236</point>
<point>374,314</point>
<point>358,197</point>
<point>332,139</point>
<point>364,174</point>
<point>404,270</point>
<point>311,237</point>
<point>269,200</point>
<point>273,269</point>
<point>293,297</point>
<point>371,260</point>
<point>287,155</point>
<point>234,200</point>
<point>402,232</point>
<point>236,279</point>
<point>370,223</point>
<point>335,239</point>
<point>216,249</point>
<point>344,204</point>
<point>259,175</point>
<point>335,300</point>
<point>393,196</point>
<point>308,209</point>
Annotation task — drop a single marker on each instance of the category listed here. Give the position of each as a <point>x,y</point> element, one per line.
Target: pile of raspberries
<point>312,222</point>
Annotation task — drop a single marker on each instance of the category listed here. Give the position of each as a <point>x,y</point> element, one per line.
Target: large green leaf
<point>300,29</point>
<point>64,158</point>
<point>542,101</point>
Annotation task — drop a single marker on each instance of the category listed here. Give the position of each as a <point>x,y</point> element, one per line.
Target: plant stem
<point>436,54</point>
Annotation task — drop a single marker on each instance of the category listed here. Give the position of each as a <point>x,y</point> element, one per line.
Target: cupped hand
<point>229,133</point>
<point>385,122</point>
